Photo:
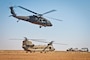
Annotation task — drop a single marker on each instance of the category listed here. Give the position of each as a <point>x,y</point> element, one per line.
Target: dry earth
<point>57,55</point>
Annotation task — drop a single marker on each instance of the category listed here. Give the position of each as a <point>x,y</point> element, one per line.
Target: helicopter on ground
<point>35,19</point>
<point>28,46</point>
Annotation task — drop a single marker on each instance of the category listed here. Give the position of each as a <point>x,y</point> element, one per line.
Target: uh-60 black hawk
<point>35,19</point>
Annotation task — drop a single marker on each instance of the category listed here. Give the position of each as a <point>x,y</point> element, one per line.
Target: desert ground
<point>56,55</point>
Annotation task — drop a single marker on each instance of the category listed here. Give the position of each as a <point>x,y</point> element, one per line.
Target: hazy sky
<point>74,30</point>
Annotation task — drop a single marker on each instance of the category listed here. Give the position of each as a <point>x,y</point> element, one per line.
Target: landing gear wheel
<point>41,52</point>
<point>26,51</point>
<point>17,20</point>
<point>40,26</point>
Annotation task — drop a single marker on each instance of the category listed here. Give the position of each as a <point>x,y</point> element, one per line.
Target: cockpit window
<point>50,47</point>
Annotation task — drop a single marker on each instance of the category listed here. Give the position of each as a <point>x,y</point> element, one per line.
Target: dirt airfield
<point>56,55</point>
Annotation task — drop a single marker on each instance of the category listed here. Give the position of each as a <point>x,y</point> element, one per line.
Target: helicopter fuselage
<point>33,19</point>
<point>29,47</point>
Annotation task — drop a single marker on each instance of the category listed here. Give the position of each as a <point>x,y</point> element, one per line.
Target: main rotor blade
<point>48,42</point>
<point>26,38</point>
<point>40,40</point>
<point>59,43</point>
<point>15,39</point>
<point>49,12</point>
<point>27,9</point>
<point>54,18</point>
<point>37,40</point>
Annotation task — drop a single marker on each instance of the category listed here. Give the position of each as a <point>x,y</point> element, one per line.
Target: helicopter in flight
<point>35,19</point>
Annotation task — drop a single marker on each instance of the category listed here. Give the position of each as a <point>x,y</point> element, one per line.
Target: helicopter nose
<point>51,25</point>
